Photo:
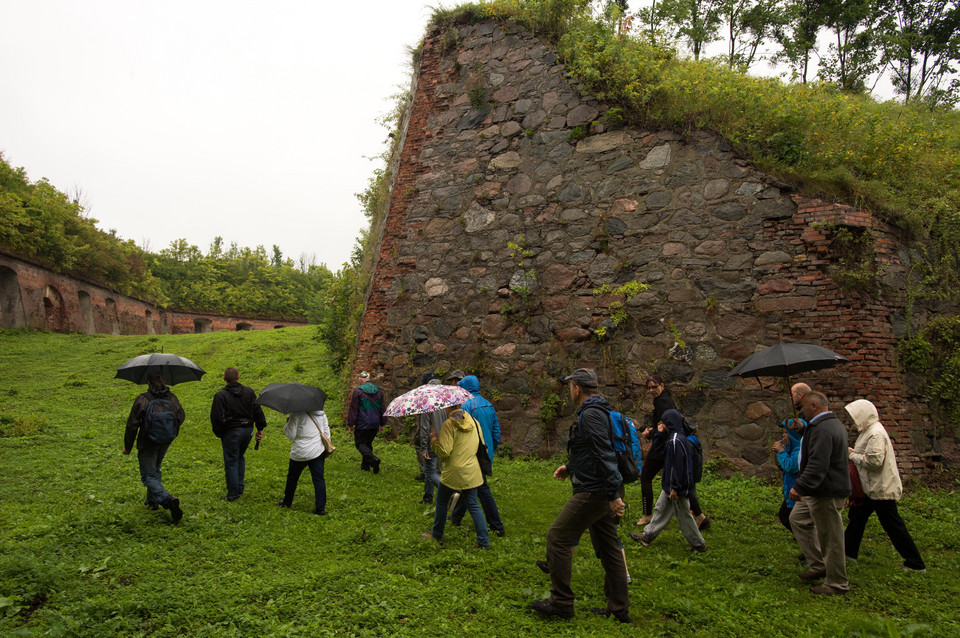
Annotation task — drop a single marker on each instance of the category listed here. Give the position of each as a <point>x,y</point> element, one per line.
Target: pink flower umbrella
<point>427,398</point>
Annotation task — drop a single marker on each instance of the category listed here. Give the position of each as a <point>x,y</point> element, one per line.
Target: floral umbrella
<point>427,398</point>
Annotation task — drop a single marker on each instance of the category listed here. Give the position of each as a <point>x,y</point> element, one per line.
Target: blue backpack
<point>626,445</point>
<point>160,422</point>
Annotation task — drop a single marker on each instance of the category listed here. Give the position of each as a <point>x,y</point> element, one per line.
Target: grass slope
<point>81,555</point>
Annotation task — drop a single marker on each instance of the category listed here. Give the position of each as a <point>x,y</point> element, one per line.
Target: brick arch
<point>201,324</point>
<point>113,317</point>
<point>148,317</point>
<point>54,314</point>
<point>12,314</point>
<point>87,323</point>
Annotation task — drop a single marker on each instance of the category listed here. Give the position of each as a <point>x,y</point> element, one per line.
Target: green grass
<point>81,555</point>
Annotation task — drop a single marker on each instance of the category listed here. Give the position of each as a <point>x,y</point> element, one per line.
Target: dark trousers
<point>490,511</point>
<point>587,511</point>
<point>649,469</point>
<point>892,524</point>
<point>784,515</point>
<point>294,470</point>
<point>363,440</point>
<point>235,442</point>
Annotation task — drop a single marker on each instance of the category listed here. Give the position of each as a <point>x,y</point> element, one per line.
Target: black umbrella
<point>292,397</point>
<point>172,368</point>
<point>786,360</point>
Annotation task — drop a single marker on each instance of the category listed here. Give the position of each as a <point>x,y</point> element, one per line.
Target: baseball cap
<point>584,377</point>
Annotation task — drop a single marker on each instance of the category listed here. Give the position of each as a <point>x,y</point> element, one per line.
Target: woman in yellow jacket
<point>457,445</point>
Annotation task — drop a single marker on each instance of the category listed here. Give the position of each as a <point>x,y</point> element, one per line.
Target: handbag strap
<point>315,423</point>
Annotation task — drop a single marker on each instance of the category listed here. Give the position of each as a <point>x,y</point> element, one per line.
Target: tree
<point>921,42</point>
<point>797,37</point>
<point>749,24</point>
<point>697,21</point>
<point>852,57</point>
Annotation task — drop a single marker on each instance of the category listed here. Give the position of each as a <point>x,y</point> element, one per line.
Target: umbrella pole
<point>793,406</point>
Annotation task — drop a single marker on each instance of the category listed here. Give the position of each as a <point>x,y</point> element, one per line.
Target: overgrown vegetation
<point>81,556</point>
<point>934,352</point>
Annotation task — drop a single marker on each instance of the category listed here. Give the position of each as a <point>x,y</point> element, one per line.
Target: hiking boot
<point>376,466</point>
<point>425,501</point>
<point>548,609</point>
<point>641,538</point>
<point>175,512</point>
<point>826,591</point>
<point>621,616</point>
<point>812,574</point>
<point>544,566</point>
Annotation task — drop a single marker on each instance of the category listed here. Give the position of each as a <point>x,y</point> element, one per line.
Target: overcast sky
<point>245,119</point>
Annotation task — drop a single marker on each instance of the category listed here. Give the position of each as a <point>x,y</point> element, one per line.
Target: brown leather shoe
<point>826,591</point>
<point>812,574</point>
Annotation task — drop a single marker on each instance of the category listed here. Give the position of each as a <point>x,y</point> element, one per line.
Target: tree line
<point>47,226</point>
<point>851,44</point>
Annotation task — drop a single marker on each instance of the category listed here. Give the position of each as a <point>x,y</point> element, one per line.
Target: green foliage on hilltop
<point>902,161</point>
<point>39,222</point>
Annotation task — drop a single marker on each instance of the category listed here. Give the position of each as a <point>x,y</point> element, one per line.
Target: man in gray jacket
<point>822,486</point>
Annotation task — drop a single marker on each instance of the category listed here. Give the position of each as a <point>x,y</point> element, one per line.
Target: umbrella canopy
<point>292,397</point>
<point>172,368</point>
<point>427,398</point>
<point>786,360</point>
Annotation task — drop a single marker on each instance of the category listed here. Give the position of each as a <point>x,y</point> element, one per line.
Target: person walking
<point>154,411</point>
<point>596,505</point>
<point>484,413</point>
<point>822,487</point>
<point>365,417</point>
<point>457,445</point>
<point>233,416</point>
<point>306,431</point>
<point>677,483</point>
<point>426,423</point>
<point>876,464</point>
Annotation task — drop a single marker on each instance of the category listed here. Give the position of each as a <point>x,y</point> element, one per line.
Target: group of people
<point>454,443</point>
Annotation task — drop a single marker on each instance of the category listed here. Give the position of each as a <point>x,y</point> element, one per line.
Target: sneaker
<point>704,524</point>
<point>425,501</point>
<point>283,503</point>
<point>702,549</point>
<point>640,538</point>
<point>915,570</point>
<point>431,536</point>
<point>175,512</point>
<point>544,566</point>
<point>549,610</point>
<point>320,512</point>
<point>826,591</point>
<point>500,532</point>
<point>812,574</point>
<point>621,616</point>
<point>420,477</point>
<point>479,546</point>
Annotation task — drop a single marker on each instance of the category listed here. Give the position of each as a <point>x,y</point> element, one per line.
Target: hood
<point>863,413</point>
<point>470,383</point>
<point>234,388</point>
<point>434,382</point>
<point>673,420</point>
<point>462,420</point>
<point>370,388</point>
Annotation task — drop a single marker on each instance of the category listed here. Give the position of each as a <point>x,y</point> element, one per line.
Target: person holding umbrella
<point>155,417</point>
<point>233,415</point>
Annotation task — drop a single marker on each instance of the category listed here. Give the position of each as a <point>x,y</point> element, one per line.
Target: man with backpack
<point>233,415</point>
<point>596,505</point>
<point>154,421</point>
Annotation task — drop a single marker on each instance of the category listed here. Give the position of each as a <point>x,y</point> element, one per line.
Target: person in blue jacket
<point>484,413</point>
<point>787,450</point>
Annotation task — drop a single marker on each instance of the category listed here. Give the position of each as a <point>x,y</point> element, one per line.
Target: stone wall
<point>32,296</point>
<point>517,210</point>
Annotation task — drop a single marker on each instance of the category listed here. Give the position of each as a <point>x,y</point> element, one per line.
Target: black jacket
<point>662,403</point>
<point>823,459</point>
<point>234,407</point>
<point>592,464</point>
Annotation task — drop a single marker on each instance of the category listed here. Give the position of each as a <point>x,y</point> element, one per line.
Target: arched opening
<point>11,302</point>
<point>202,325</point>
<point>113,319</point>
<point>151,330</point>
<point>244,326</point>
<point>54,316</point>
<point>278,327</point>
<point>87,323</point>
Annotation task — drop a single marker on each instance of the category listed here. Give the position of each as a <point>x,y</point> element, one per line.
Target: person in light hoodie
<point>307,450</point>
<point>876,466</point>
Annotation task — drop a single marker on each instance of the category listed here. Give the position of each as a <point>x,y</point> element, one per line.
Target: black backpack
<point>160,422</point>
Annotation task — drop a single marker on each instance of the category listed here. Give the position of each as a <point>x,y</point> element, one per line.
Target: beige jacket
<point>873,454</point>
<point>457,445</point>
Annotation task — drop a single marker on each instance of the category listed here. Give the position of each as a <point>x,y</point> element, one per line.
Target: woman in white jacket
<point>876,466</point>
<point>307,450</point>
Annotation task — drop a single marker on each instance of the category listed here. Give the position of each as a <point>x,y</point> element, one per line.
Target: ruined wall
<point>514,204</point>
<point>32,296</point>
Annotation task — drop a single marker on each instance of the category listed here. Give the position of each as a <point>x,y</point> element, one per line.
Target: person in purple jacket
<point>365,417</point>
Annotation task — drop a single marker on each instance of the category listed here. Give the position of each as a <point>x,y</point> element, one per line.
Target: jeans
<point>235,442</point>
<point>363,440</point>
<point>490,511</point>
<point>431,477</point>
<point>470,498</point>
<point>667,509</point>
<point>892,524</point>
<point>294,469</point>
<point>150,457</point>
<point>587,511</point>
